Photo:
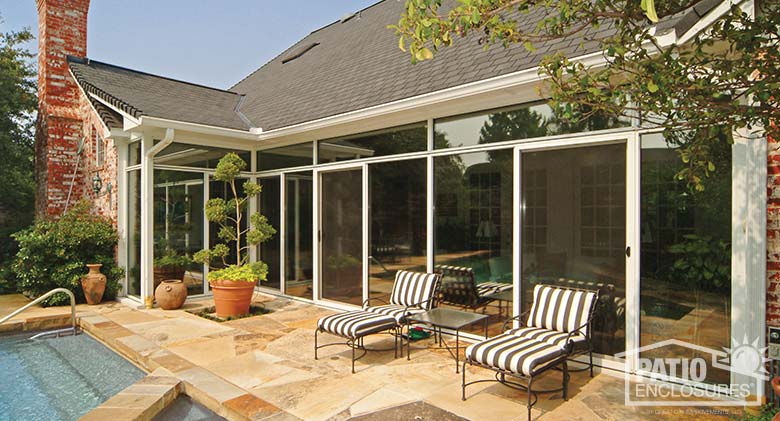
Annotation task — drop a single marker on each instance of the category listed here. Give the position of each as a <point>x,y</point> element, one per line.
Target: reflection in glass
<point>521,122</point>
<point>269,206</point>
<point>396,140</point>
<point>685,288</point>
<point>134,233</point>
<point>573,231</point>
<point>184,155</point>
<point>298,235</point>
<point>178,228</point>
<point>473,230</point>
<point>286,157</point>
<point>398,220</point>
<point>342,236</point>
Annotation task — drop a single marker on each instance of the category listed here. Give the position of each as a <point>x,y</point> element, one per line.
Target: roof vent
<point>347,17</point>
<point>297,52</point>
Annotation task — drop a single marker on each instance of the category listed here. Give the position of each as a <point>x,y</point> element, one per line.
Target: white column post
<point>147,219</point>
<point>121,208</point>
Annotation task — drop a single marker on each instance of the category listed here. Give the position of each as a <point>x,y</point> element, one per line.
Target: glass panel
<point>342,236</point>
<point>219,189</point>
<point>398,221</point>
<point>412,138</point>
<point>286,157</point>
<point>685,288</point>
<point>269,205</point>
<point>184,155</point>
<point>298,231</point>
<point>134,153</point>
<point>573,230</point>
<point>473,229</point>
<point>134,233</point>
<point>523,122</point>
<point>178,228</point>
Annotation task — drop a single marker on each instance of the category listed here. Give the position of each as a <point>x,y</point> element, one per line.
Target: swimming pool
<point>58,378</point>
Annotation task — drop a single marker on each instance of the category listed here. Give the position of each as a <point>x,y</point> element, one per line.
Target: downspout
<point>167,140</point>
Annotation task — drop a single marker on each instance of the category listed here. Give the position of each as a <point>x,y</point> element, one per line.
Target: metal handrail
<point>43,297</point>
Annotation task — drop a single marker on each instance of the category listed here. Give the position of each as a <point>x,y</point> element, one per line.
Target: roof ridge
<point>88,61</point>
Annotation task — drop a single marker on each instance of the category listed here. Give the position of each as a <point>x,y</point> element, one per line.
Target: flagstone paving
<point>263,367</point>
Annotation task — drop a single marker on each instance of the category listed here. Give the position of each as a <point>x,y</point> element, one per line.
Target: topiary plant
<point>229,215</point>
<point>54,253</point>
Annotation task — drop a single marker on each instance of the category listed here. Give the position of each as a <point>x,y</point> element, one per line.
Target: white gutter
<point>167,140</point>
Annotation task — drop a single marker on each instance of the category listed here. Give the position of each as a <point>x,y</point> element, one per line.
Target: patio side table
<point>503,297</point>
<point>446,318</point>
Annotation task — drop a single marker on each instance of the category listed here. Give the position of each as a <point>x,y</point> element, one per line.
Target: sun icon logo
<point>746,358</point>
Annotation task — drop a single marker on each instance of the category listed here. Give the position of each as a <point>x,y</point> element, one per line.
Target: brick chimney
<point>62,31</point>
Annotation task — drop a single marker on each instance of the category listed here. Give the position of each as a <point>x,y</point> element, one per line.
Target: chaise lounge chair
<point>413,292</point>
<point>558,322</point>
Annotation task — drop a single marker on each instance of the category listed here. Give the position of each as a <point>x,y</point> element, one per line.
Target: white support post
<point>517,261</point>
<point>430,205</point>
<point>282,232</point>
<point>316,246</point>
<point>121,208</point>
<point>147,218</point>
<point>206,227</point>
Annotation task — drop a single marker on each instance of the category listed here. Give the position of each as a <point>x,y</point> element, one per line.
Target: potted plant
<point>233,284</point>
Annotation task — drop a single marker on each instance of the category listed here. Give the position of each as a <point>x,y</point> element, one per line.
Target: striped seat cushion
<point>397,312</point>
<point>560,309</point>
<point>514,353</point>
<point>491,287</point>
<point>552,337</point>
<point>414,288</point>
<point>355,324</point>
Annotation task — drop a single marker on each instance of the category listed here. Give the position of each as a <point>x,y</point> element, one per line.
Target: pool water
<point>58,378</point>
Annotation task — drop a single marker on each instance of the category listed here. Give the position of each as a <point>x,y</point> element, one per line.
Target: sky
<point>210,42</point>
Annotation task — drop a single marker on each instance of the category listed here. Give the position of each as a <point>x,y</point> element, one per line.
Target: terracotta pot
<point>170,294</point>
<point>94,284</point>
<point>232,298</point>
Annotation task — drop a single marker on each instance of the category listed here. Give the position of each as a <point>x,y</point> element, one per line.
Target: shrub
<point>54,253</point>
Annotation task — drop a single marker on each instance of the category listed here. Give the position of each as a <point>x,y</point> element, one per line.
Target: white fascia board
<point>106,130</point>
<point>129,122</point>
<point>165,123</point>
<point>510,80</point>
<point>712,16</point>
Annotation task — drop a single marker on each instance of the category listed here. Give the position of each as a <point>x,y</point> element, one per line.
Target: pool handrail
<point>43,297</point>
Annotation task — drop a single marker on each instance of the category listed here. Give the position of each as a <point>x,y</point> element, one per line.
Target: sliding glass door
<point>341,235</point>
<point>573,230</point>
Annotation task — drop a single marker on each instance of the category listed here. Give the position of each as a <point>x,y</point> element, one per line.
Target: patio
<point>262,367</point>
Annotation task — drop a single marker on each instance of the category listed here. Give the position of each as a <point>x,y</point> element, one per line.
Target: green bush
<point>54,253</point>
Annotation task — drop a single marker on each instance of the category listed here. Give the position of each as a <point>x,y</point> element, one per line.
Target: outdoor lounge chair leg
<point>353,357</point>
<point>590,355</point>
<point>315,343</point>
<point>408,342</point>
<point>565,381</point>
<point>463,383</point>
<point>395,343</point>
<point>530,381</point>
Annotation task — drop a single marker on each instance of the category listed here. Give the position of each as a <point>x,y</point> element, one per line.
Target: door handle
<point>628,251</point>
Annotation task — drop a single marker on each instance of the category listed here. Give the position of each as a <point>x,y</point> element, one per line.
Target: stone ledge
<point>138,402</point>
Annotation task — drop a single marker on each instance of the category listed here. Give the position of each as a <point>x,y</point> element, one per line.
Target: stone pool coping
<point>206,388</point>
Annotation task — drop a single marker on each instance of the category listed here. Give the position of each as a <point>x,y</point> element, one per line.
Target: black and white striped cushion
<point>413,288</point>
<point>560,309</point>
<point>491,287</point>
<point>355,324</point>
<point>552,337</point>
<point>514,353</point>
<point>395,311</point>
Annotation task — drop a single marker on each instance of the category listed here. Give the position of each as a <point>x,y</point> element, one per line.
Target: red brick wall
<point>62,31</point>
<point>773,234</point>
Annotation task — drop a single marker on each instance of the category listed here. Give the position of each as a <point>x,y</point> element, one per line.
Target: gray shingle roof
<point>346,66</point>
<point>142,94</point>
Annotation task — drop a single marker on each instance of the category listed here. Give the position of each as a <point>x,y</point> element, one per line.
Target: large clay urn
<point>232,298</point>
<point>94,284</point>
<point>170,294</point>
